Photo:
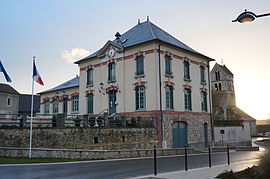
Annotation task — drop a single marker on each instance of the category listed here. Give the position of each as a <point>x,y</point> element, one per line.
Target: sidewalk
<point>202,173</point>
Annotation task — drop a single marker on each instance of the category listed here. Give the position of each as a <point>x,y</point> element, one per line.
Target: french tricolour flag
<point>36,75</point>
<point>2,69</point>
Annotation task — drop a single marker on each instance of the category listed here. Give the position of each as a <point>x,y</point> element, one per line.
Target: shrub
<point>227,175</point>
<point>264,164</point>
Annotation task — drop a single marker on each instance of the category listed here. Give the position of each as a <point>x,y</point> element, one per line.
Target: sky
<point>59,32</point>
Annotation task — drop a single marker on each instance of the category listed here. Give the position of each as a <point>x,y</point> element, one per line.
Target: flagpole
<point>31,118</point>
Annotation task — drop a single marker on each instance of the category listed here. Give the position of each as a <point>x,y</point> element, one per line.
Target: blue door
<point>179,135</point>
<point>205,134</point>
<point>112,102</point>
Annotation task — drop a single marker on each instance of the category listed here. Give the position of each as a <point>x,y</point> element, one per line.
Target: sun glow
<point>251,98</point>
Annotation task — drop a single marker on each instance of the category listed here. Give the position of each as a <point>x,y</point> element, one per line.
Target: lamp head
<point>245,17</point>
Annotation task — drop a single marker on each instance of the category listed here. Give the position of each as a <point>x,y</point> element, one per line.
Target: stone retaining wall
<point>80,138</point>
<point>88,154</point>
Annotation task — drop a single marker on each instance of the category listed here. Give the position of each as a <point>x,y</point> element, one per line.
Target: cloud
<point>74,54</point>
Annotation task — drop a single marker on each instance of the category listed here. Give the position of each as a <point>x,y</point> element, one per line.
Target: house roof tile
<point>68,84</point>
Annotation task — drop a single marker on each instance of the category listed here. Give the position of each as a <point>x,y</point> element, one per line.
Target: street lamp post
<point>248,16</point>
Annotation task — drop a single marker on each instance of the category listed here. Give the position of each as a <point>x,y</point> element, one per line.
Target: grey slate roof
<point>145,32</point>
<point>5,88</point>
<point>25,103</point>
<point>68,84</point>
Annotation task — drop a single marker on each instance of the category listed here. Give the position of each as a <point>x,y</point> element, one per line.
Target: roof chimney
<point>139,21</point>
<point>147,18</point>
<point>117,35</point>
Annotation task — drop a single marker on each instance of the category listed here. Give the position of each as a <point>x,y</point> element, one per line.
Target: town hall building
<point>145,73</point>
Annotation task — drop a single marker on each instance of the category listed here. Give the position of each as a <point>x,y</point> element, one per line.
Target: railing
<point>61,120</point>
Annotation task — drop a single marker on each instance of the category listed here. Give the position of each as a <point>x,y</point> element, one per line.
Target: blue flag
<point>2,69</point>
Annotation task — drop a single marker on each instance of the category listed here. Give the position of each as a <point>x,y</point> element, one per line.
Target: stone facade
<point>232,125</point>
<point>80,138</point>
<point>195,128</point>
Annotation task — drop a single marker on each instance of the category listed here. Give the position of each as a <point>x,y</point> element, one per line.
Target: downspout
<point>160,97</point>
<point>210,105</point>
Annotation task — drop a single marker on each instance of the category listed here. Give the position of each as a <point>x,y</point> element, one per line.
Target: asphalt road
<point>111,169</point>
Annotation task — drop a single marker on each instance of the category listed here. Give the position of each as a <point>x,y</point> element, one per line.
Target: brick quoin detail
<point>180,120</point>
<point>149,52</point>
<point>89,91</point>
<point>187,87</point>
<point>140,83</point>
<point>128,57</point>
<point>168,83</point>
<point>146,53</point>
<point>203,90</point>
<point>74,94</point>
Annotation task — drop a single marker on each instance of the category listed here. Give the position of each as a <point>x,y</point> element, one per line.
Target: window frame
<point>188,99</point>
<point>202,74</point>
<point>186,70</point>
<point>55,106</point>
<point>112,72</point>
<point>89,76</point>
<point>169,97</point>
<point>168,65</point>
<point>75,103</point>
<point>204,107</point>
<point>140,98</point>
<point>139,65</point>
<point>47,107</point>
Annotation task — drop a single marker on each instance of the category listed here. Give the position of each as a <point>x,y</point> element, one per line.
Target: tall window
<point>75,103</point>
<point>89,80</point>
<point>90,103</point>
<point>204,101</point>
<point>169,97</point>
<point>168,67</point>
<point>139,65</point>
<point>202,72</point>
<point>47,107</point>
<point>111,72</point>
<point>219,87</point>
<point>188,105</point>
<point>55,106</point>
<point>140,98</point>
<point>186,70</point>
<point>217,76</point>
